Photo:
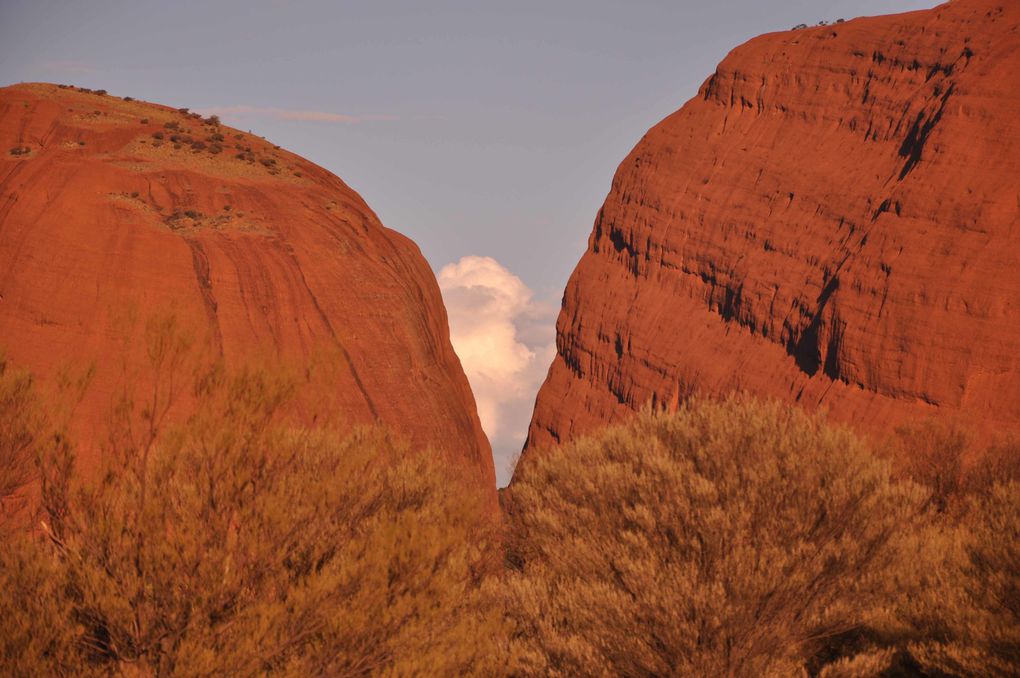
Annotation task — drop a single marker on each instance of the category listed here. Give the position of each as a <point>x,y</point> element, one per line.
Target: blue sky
<point>482,129</point>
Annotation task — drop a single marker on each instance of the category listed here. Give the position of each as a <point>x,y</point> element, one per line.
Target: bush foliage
<point>236,544</point>
<point>748,539</point>
<point>732,538</point>
<point>19,427</point>
<point>728,539</point>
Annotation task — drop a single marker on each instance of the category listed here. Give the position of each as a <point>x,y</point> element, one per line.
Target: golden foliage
<point>236,544</point>
<point>943,458</point>
<point>732,538</point>
<point>19,432</point>
<point>968,620</point>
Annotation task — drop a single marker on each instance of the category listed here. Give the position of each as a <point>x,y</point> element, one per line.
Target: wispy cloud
<point>244,111</point>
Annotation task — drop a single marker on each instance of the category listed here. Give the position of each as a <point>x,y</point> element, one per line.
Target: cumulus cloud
<point>505,339</point>
<point>244,111</point>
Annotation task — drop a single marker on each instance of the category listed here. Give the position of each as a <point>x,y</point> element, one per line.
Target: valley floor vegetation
<point>728,538</point>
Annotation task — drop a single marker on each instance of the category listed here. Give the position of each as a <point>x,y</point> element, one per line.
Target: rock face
<point>112,208</point>
<point>833,221</point>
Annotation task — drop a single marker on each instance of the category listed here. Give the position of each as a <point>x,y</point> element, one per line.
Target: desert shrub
<point>38,632</point>
<point>171,125</point>
<point>145,121</point>
<point>212,120</point>
<point>999,462</point>
<point>215,148</point>
<point>931,452</point>
<point>967,622</point>
<point>183,111</point>
<point>20,150</point>
<point>215,137</point>
<point>735,538</point>
<point>268,162</point>
<point>20,428</point>
<point>944,458</point>
<point>197,145</point>
<point>100,92</point>
<point>233,543</point>
<point>157,135</point>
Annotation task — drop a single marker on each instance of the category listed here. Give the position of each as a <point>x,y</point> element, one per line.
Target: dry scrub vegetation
<point>235,544</point>
<point>739,538</point>
<point>730,538</point>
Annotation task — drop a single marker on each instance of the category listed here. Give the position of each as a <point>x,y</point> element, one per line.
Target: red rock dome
<point>834,220</point>
<point>108,205</point>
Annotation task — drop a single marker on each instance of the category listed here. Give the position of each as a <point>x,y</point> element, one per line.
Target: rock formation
<point>113,208</point>
<point>834,220</point>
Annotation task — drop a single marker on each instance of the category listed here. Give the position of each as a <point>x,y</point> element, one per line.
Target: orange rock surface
<point>270,254</point>
<point>834,220</point>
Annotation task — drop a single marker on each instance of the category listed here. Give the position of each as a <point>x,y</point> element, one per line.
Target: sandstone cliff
<point>834,220</point>
<point>111,208</point>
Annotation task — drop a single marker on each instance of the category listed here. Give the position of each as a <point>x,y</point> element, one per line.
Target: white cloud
<point>505,340</point>
<point>244,111</point>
